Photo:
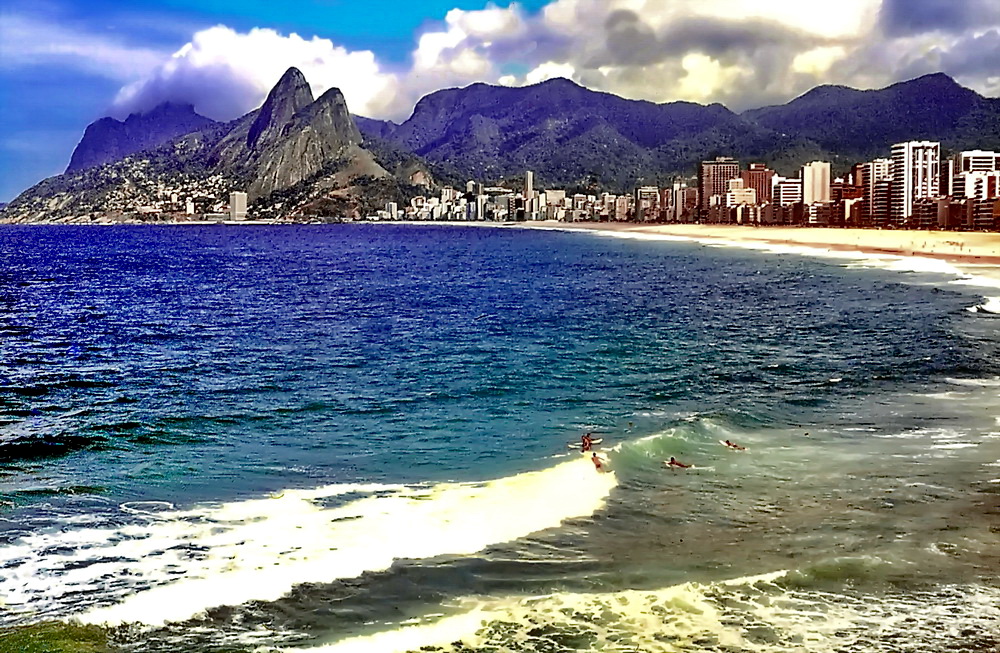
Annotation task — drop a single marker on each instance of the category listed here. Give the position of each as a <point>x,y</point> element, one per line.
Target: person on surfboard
<point>673,462</point>
<point>733,445</point>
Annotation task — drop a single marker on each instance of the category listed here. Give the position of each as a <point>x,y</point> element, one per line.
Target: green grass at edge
<point>54,637</point>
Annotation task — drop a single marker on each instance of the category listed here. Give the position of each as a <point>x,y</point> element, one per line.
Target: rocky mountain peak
<point>108,139</point>
<point>289,96</point>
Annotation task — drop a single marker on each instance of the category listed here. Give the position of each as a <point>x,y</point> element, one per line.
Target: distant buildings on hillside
<point>912,189</point>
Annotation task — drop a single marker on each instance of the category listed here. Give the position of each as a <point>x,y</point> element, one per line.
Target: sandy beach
<point>956,246</point>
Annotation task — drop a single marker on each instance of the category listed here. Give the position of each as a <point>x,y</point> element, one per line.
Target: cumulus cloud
<point>743,54</point>
<point>225,73</point>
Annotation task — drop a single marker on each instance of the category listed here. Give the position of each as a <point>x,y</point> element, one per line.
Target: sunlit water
<point>356,438</point>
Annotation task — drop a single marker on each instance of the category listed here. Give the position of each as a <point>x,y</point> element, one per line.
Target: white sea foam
<point>990,305</point>
<point>754,613</point>
<point>260,549</point>
<point>688,599</point>
<point>976,383</point>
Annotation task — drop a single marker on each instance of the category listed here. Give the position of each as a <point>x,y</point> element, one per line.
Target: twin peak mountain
<point>290,139</point>
<point>300,155</point>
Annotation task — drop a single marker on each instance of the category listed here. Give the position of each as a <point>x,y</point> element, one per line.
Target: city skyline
<point>66,64</point>
<point>915,188</point>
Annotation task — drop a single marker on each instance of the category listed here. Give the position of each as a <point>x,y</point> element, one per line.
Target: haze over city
<point>65,64</point>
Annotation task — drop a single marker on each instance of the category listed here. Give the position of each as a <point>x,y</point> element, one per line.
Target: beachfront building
<point>738,195</point>
<point>868,176</point>
<point>976,161</point>
<point>237,206</point>
<point>622,208</point>
<point>760,178</point>
<point>786,190</point>
<point>685,203</point>
<point>647,203</point>
<point>915,174</point>
<point>713,180</point>
<point>815,182</point>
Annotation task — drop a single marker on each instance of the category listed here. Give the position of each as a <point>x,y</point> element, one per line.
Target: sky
<point>64,64</point>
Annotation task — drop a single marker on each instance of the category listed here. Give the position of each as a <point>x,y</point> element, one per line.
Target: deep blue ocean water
<point>162,385</point>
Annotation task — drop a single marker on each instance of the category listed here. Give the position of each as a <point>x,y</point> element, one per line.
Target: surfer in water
<point>673,462</point>
<point>598,463</point>
<point>587,442</point>
<point>733,445</point>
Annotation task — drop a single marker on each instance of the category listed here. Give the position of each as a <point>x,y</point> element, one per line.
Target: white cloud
<point>739,53</point>
<point>549,70</point>
<point>225,73</point>
<point>818,60</point>
<point>704,76</point>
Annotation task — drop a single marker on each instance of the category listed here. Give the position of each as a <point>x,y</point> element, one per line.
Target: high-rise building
<point>237,206</point>
<point>915,174</point>
<point>980,184</point>
<point>976,161</point>
<point>786,190</point>
<point>868,177</point>
<point>816,182</point>
<point>647,203</point>
<point>946,183</point>
<point>737,195</point>
<point>529,185</point>
<point>759,177</point>
<point>713,177</point>
<point>881,206</point>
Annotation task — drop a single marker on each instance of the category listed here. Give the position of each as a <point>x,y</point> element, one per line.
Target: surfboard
<point>572,445</point>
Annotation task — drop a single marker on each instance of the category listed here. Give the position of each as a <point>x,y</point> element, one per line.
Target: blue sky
<point>64,64</point>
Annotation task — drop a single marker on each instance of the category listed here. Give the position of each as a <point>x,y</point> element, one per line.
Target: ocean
<point>364,438</point>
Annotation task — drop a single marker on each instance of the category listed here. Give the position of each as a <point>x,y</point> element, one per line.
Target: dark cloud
<point>718,38</point>
<point>907,17</point>
<point>629,40</point>
<point>977,56</point>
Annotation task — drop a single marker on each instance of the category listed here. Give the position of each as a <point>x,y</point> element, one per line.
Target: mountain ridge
<point>295,150</point>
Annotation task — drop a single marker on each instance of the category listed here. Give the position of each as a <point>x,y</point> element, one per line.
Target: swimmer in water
<point>673,462</point>
<point>598,463</point>
<point>733,445</point>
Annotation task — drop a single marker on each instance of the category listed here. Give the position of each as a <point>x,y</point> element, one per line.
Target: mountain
<point>291,138</point>
<point>297,154</point>
<point>574,137</point>
<point>294,154</point>
<point>110,140</point>
<point>864,124</point>
<point>566,133</point>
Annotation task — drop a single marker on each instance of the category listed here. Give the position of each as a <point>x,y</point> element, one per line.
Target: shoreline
<point>961,247</point>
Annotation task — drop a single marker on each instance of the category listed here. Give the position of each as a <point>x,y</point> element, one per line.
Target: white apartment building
<point>786,190</point>
<point>237,206</point>
<point>816,182</point>
<point>915,174</point>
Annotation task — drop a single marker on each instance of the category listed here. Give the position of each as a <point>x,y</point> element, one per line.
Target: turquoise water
<point>355,437</point>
